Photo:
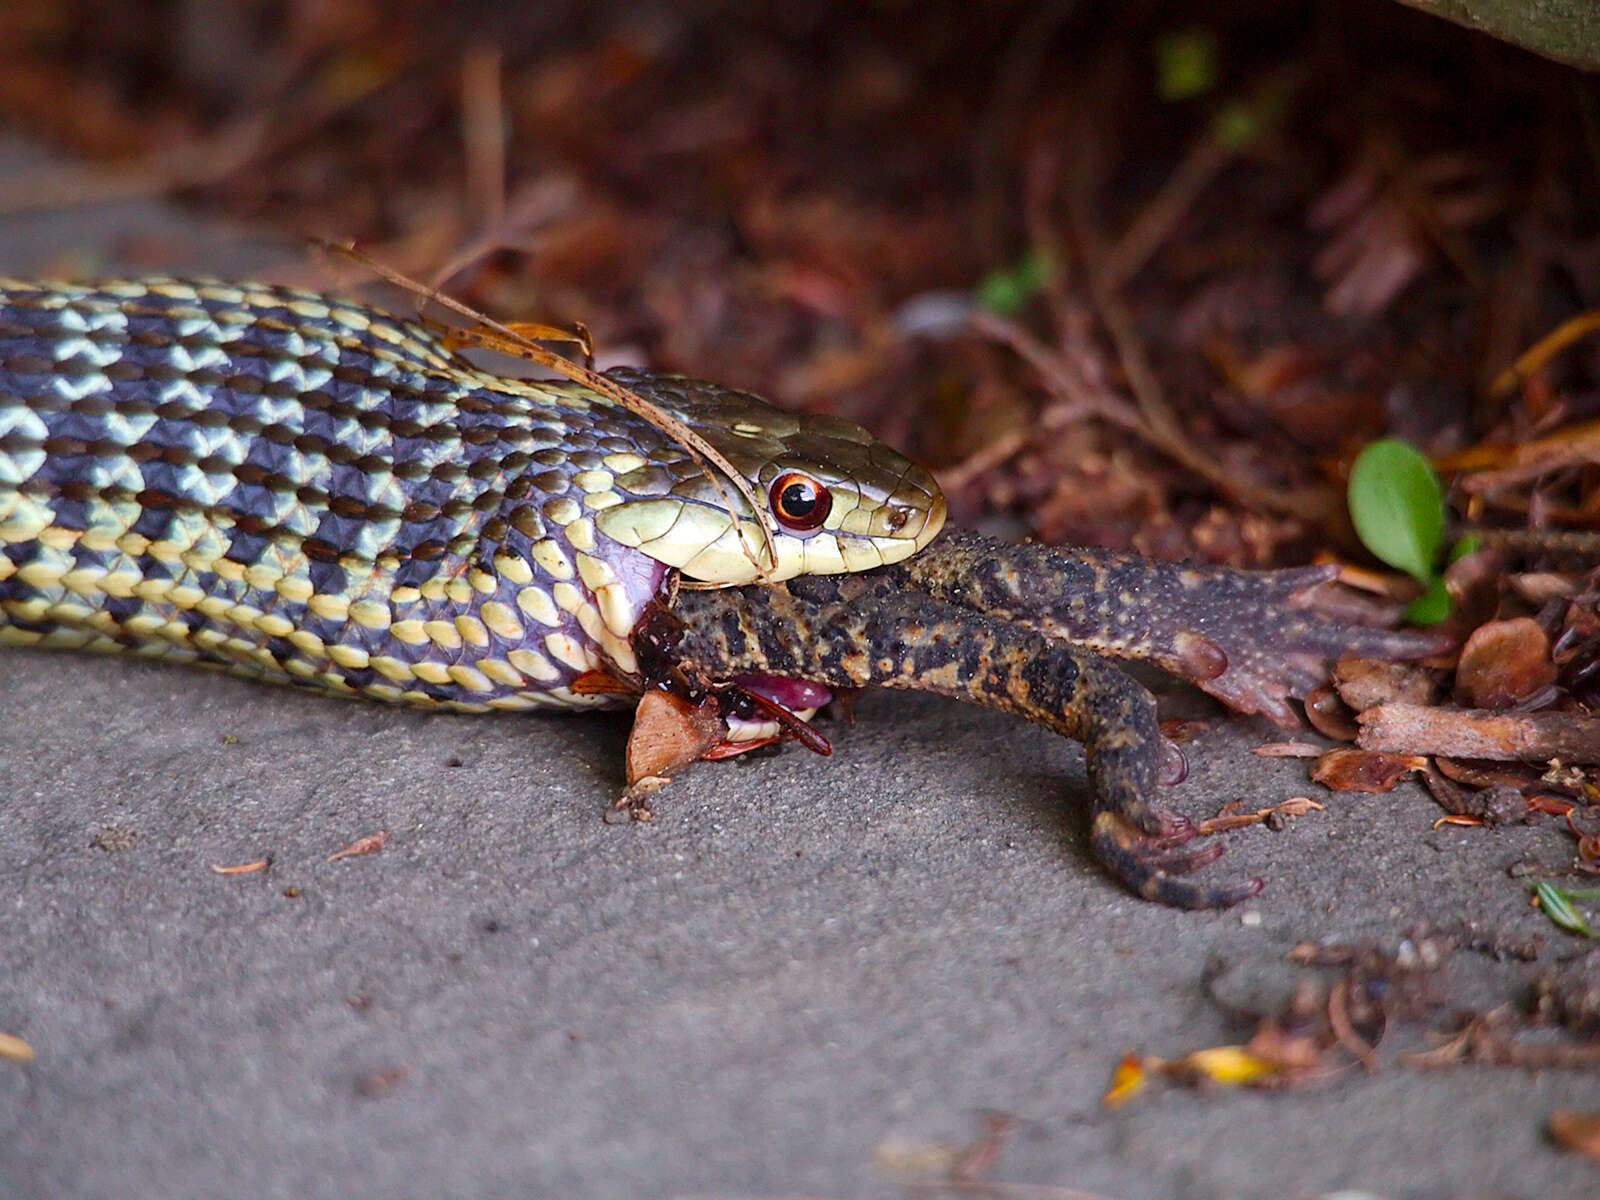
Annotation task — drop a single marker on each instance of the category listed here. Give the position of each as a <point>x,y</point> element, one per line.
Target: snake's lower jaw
<point>723,556</point>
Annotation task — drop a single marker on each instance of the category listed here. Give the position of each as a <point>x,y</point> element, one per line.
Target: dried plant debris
<point>15,1049</point>
<point>369,844</point>
<point>1364,770</point>
<point>1375,1007</point>
<point>1576,1131</point>
<point>114,839</point>
<point>247,868</point>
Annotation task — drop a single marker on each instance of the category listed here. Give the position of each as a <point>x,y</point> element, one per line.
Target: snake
<point>303,489</point>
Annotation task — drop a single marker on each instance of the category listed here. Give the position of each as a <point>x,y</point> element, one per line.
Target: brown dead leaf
<point>1496,804</point>
<point>1329,715</point>
<point>1482,773</point>
<point>1504,663</point>
<point>670,733</point>
<point>1364,770</point>
<point>1576,1131</point>
<point>1540,587</point>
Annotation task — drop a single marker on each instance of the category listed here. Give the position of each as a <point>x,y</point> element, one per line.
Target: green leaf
<point>1006,290</point>
<point>1186,64</point>
<point>1432,607</point>
<point>1466,544</point>
<point>1558,907</point>
<point>1398,507</point>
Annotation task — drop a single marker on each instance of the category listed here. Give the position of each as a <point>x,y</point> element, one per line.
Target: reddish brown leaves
<point>1364,771</point>
<point>1504,664</point>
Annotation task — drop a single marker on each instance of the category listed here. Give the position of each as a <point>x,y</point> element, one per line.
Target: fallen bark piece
<point>1473,733</point>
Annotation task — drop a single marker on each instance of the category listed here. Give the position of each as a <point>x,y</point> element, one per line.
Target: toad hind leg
<point>861,631</point>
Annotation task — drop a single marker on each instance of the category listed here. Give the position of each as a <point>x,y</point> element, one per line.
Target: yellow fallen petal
<point>1127,1081</point>
<point>14,1048</point>
<point>1229,1066</point>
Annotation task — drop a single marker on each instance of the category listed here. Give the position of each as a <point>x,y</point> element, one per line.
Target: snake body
<point>305,490</point>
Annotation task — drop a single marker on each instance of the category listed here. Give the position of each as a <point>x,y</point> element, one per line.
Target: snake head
<point>836,498</point>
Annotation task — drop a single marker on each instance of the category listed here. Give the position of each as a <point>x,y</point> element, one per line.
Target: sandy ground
<point>802,971</point>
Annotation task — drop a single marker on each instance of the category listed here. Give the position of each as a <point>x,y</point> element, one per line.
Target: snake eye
<point>800,502</point>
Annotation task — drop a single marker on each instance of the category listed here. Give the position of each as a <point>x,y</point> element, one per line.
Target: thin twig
<point>1344,1029</point>
<point>985,458</point>
<point>1156,221</point>
<point>483,135</point>
<point>1533,359</point>
<point>1058,377</point>
<point>1161,428</point>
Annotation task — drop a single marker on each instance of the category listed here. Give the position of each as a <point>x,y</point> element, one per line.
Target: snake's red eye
<point>800,502</point>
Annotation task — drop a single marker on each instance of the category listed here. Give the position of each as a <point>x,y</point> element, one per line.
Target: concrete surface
<point>802,969</point>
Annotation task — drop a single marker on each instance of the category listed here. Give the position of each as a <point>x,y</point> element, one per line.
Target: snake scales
<point>302,489</point>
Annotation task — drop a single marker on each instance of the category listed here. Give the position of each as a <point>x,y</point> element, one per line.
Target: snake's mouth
<point>702,540</point>
<point>799,699</point>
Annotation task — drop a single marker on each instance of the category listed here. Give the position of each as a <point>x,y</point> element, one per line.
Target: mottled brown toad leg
<point>1250,638</point>
<point>868,630</point>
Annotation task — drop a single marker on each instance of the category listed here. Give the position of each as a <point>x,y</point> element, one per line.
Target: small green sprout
<point>1007,290</point>
<point>1397,507</point>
